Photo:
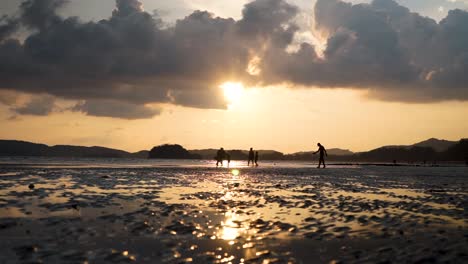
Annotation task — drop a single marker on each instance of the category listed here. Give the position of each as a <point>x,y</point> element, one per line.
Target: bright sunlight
<point>233,91</point>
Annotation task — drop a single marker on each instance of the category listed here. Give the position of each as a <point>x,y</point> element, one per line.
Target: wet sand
<point>238,215</point>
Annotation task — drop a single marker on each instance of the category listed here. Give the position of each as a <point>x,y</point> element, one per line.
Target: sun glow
<point>233,91</point>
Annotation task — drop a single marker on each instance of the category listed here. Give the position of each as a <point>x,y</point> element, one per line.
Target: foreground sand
<point>208,215</point>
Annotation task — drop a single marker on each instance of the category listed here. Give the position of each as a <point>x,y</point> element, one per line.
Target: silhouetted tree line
<point>171,152</point>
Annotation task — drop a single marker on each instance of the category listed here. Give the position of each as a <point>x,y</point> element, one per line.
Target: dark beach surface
<point>90,212</point>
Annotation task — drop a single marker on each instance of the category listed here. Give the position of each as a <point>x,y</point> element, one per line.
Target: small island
<point>171,152</point>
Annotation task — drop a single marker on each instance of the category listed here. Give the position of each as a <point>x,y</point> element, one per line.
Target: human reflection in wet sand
<point>323,152</point>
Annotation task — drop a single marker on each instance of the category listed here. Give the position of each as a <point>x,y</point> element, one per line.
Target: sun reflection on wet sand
<point>230,230</point>
<point>235,172</point>
<point>222,215</point>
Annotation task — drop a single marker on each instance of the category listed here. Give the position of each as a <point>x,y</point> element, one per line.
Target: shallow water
<point>195,213</point>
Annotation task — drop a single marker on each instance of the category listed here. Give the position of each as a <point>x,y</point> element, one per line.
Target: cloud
<point>128,7</point>
<point>40,15</point>
<point>128,58</point>
<point>8,98</point>
<point>112,108</point>
<point>261,18</point>
<point>362,51</point>
<point>383,47</point>
<point>134,59</point>
<point>38,106</point>
<point>7,26</point>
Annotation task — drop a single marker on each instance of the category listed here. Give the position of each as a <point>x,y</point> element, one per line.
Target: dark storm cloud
<point>383,46</point>
<point>261,18</point>
<point>130,57</point>
<point>40,14</point>
<point>363,50</point>
<point>133,59</point>
<point>127,7</point>
<point>7,27</point>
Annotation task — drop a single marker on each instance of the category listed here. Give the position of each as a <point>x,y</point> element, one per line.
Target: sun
<point>232,91</point>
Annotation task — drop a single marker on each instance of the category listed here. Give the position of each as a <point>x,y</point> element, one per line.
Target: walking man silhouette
<point>323,153</point>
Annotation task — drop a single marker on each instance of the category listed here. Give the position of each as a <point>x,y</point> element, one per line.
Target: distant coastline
<point>432,151</point>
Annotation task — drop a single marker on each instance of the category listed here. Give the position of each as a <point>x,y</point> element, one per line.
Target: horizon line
<point>231,149</point>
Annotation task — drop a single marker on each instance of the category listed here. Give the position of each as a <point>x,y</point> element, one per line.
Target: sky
<point>268,74</point>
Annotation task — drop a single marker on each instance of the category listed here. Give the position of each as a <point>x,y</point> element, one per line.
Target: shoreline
<point>70,162</point>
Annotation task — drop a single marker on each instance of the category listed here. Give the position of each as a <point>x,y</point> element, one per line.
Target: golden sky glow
<point>278,118</point>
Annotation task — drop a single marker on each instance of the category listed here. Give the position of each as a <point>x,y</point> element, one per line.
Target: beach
<point>175,212</point>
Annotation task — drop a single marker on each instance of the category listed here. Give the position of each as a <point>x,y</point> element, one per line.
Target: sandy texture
<point>244,215</point>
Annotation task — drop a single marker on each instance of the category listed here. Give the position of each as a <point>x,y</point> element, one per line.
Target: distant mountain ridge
<point>23,148</point>
<point>431,150</point>
<point>438,145</point>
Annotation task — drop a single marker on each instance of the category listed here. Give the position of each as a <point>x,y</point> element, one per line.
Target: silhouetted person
<point>220,155</point>
<point>323,153</point>
<point>251,157</point>
<point>228,157</point>
<point>256,158</point>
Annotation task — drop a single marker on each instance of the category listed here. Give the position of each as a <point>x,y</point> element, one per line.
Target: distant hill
<point>22,148</point>
<point>458,152</point>
<point>270,155</point>
<point>438,145</point>
<point>339,152</point>
<point>76,151</point>
<point>171,152</point>
<point>144,154</point>
<point>421,152</point>
<point>205,153</point>
<point>399,154</point>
